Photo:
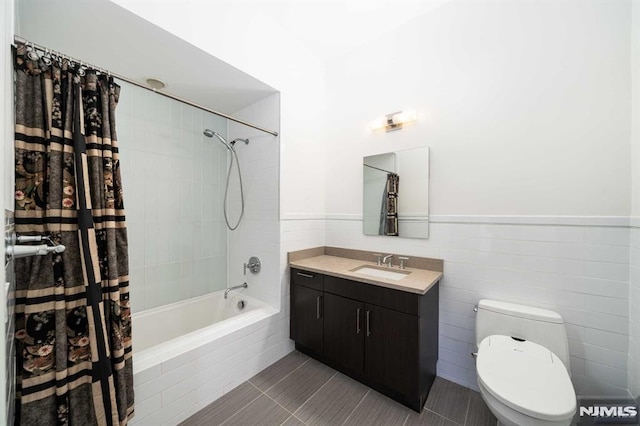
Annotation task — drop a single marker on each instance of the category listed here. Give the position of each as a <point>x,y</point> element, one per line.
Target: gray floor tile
<point>262,411</point>
<point>377,409</point>
<point>333,403</point>
<point>224,407</point>
<point>276,371</point>
<point>292,421</point>
<point>296,388</point>
<point>427,418</point>
<point>479,414</point>
<point>449,400</point>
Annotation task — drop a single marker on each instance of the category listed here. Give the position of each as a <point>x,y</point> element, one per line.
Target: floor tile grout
<point>466,415</point>
<point>290,373</point>
<point>323,385</point>
<point>291,413</point>
<point>245,406</point>
<point>357,405</point>
<point>284,408</point>
<point>405,419</point>
<point>443,416</point>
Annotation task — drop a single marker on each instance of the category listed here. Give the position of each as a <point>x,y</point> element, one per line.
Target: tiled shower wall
<point>173,180</point>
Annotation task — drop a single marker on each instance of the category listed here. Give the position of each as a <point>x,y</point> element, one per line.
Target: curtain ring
<point>46,58</point>
<point>31,53</point>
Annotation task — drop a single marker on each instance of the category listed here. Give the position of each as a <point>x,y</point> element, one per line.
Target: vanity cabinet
<point>308,327</point>
<point>344,332</point>
<point>385,338</point>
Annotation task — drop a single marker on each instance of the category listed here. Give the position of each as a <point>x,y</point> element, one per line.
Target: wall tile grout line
<point>356,407</point>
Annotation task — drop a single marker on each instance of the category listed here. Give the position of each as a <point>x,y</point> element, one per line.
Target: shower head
<point>210,133</point>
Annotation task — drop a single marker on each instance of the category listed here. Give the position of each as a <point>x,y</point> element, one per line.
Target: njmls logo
<point>600,411</point>
<point>611,411</point>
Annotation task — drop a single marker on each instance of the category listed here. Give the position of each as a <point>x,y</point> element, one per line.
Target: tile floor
<point>298,390</point>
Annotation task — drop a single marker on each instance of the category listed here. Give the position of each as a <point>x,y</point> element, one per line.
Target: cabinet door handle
<point>368,323</point>
<point>358,321</point>
<point>305,275</point>
<point>318,307</point>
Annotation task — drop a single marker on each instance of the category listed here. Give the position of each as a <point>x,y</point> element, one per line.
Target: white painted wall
<point>524,104</point>
<point>7,175</point>
<point>633,361</point>
<point>634,249</point>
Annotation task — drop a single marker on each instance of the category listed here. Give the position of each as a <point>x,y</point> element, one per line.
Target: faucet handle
<point>379,256</point>
<point>402,259</point>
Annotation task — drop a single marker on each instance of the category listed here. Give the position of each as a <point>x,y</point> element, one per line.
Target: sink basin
<point>380,273</point>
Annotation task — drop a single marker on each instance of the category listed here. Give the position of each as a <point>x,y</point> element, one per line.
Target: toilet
<point>523,365</point>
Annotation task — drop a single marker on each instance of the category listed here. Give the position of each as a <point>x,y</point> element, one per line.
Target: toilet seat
<point>526,377</point>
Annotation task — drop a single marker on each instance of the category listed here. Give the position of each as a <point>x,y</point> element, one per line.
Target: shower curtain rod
<point>382,170</point>
<point>21,40</point>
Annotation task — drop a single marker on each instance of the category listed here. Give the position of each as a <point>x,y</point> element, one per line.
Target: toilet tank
<point>537,325</point>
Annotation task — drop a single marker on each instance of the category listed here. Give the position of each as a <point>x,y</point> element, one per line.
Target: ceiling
<point>331,28</point>
<point>139,49</point>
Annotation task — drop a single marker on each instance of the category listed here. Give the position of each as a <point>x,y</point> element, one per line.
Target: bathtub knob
<point>254,265</point>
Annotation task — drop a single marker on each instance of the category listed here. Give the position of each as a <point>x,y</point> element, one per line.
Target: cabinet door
<point>391,349</point>
<point>344,332</point>
<point>309,318</point>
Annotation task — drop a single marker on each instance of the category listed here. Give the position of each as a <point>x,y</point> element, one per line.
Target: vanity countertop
<point>417,281</point>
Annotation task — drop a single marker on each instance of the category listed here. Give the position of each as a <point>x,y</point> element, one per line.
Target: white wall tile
<point>581,272</point>
<point>164,155</point>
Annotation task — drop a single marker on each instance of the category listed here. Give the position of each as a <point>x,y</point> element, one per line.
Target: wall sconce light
<point>393,121</point>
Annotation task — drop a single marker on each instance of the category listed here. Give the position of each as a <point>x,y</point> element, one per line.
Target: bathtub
<point>188,354</point>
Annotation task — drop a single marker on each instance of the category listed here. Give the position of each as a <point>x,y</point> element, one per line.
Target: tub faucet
<point>226,292</point>
<point>384,260</point>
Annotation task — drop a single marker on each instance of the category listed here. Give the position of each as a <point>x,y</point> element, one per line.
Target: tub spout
<point>226,292</point>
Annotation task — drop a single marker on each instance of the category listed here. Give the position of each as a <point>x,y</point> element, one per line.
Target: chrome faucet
<point>384,260</point>
<point>226,292</point>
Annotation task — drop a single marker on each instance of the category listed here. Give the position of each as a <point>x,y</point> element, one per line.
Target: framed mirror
<point>396,194</point>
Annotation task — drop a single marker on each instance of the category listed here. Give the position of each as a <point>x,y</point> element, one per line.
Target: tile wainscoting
<point>578,267</point>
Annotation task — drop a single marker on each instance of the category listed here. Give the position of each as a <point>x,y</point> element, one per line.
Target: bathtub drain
<point>241,305</point>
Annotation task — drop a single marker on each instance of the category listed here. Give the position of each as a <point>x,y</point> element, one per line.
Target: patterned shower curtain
<point>73,327</point>
<point>389,210</point>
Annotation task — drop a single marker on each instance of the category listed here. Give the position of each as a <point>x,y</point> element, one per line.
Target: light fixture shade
<point>377,124</point>
<point>404,117</point>
<point>393,121</point>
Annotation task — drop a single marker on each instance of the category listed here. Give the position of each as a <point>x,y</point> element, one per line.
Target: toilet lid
<point>526,377</point>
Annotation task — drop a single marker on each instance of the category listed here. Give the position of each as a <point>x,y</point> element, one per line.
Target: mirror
<point>396,194</point>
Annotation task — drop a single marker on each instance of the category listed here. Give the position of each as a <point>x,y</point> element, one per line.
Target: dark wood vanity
<point>386,338</point>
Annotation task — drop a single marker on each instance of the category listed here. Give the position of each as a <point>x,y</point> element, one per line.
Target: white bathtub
<point>189,353</point>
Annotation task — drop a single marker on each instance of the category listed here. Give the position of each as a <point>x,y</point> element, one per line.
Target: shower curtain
<point>73,328</point>
<point>389,210</point>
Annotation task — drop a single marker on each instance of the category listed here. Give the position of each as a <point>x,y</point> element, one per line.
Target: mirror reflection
<point>396,193</point>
